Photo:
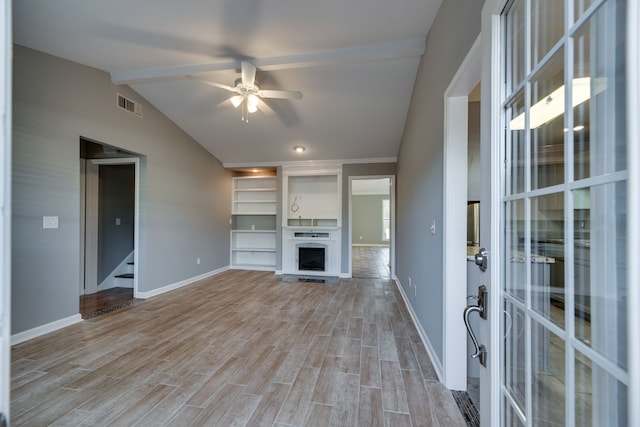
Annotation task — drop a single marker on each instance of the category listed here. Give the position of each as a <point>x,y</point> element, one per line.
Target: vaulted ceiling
<point>355,62</point>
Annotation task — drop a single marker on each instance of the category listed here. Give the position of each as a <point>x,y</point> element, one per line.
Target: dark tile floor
<point>370,262</point>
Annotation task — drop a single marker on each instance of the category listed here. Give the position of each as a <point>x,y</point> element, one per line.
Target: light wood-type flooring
<point>370,262</point>
<point>101,302</point>
<point>240,348</point>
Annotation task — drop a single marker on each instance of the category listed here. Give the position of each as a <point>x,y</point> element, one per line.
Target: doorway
<point>371,227</point>
<point>109,228</point>
<point>461,197</point>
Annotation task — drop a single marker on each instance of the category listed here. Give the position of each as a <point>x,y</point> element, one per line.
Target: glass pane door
<point>564,349</point>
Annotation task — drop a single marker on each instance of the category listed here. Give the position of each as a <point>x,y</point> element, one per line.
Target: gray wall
<point>357,170</point>
<point>116,199</point>
<point>366,218</point>
<point>420,164</point>
<point>185,192</point>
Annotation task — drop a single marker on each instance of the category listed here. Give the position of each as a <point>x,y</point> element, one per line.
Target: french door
<point>560,137</point>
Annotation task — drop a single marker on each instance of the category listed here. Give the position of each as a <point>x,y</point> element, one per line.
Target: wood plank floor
<point>241,348</point>
<point>370,262</point>
<point>92,304</point>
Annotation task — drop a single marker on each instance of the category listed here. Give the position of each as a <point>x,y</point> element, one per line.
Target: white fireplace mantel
<point>326,237</point>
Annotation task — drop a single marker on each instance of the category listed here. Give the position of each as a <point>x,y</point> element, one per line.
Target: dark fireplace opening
<point>311,259</point>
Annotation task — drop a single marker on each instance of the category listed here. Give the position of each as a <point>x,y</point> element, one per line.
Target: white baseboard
<point>173,286</point>
<point>21,337</point>
<point>437,363</point>
<point>251,267</point>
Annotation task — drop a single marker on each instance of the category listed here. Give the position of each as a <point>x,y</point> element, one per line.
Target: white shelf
<point>254,202</point>
<point>250,259</point>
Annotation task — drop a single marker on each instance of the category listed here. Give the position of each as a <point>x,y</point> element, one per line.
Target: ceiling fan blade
<point>248,73</point>
<point>280,94</point>
<point>264,107</point>
<point>214,84</point>
<point>223,104</point>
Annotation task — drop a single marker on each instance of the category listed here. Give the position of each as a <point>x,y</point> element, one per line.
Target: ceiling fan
<point>248,94</point>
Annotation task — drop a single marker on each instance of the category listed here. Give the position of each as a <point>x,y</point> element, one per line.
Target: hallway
<point>370,262</point>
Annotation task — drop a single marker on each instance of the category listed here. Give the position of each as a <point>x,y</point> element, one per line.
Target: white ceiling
<point>355,62</point>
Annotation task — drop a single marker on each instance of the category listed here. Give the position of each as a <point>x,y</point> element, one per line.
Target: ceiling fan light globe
<point>252,100</point>
<point>252,108</point>
<point>236,100</point>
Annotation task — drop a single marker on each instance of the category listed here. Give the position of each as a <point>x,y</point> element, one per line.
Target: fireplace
<point>313,251</point>
<point>311,258</point>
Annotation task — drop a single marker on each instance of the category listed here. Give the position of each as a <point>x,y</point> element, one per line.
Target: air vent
<point>129,105</point>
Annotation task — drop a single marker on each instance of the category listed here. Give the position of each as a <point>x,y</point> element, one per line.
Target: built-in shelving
<point>253,225</point>
<point>311,219</point>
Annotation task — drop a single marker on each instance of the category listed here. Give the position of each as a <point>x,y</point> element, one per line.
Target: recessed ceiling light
<point>254,170</point>
<point>578,128</point>
<point>299,149</point>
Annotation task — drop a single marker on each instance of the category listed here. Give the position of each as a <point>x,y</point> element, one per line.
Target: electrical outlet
<point>432,228</point>
<point>198,261</point>
<point>118,222</point>
<point>409,282</point>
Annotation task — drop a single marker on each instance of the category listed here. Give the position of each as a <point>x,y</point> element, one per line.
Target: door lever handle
<point>480,308</point>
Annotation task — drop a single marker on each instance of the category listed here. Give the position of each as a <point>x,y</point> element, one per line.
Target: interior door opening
<point>371,227</point>
<point>109,228</point>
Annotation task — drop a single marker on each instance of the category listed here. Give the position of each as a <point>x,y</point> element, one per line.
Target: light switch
<point>117,221</point>
<point>433,227</point>
<point>49,222</point>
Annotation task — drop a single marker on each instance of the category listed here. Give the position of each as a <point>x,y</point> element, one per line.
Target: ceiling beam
<point>404,48</point>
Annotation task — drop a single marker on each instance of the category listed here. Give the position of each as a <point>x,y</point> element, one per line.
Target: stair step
<point>125,276</point>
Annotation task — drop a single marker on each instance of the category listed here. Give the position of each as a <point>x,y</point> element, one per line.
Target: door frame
<point>5,208</point>
<point>633,197</point>
<point>136,221</point>
<point>392,222</point>
<point>456,140</point>
<point>490,155</point>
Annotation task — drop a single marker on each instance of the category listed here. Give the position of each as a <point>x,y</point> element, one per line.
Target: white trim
<point>310,163</point>
<point>89,235</point>
<point>633,197</point>
<point>5,207</point>
<point>182,283</point>
<point>455,153</point>
<point>45,329</point>
<point>136,222</point>
<point>490,395</point>
<point>251,267</point>
<point>437,364</point>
